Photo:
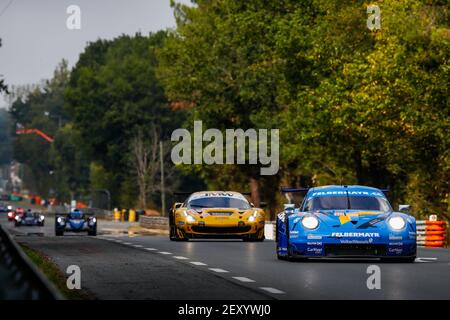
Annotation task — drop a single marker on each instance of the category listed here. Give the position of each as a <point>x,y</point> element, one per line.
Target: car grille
<point>355,250</point>
<point>220,213</point>
<point>236,229</point>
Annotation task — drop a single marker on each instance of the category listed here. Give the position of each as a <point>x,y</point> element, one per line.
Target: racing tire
<point>172,233</point>
<point>284,258</point>
<point>93,232</point>
<point>253,238</point>
<point>400,260</point>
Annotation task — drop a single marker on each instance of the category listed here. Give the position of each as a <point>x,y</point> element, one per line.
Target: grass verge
<point>54,274</point>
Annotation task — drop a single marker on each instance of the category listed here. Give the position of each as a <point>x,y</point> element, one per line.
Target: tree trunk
<point>254,189</point>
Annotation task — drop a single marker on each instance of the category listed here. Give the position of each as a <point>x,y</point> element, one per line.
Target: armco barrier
<point>19,279</point>
<point>151,222</point>
<point>431,233</point>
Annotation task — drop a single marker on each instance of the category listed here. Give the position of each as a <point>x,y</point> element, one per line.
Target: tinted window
<point>344,202</point>
<point>219,202</point>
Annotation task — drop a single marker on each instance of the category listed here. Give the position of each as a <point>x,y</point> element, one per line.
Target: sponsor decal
<point>350,193</point>
<point>395,237</point>
<point>217,194</point>
<point>314,237</point>
<point>355,235</point>
<point>395,250</point>
<point>314,243</point>
<point>355,241</point>
<point>314,250</point>
<point>395,243</point>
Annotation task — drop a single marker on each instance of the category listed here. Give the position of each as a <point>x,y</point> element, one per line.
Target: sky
<point>35,36</point>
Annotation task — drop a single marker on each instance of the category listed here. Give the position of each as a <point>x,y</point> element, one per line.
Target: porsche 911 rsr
<point>29,218</point>
<point>75,221</point>
<point>216,214</point>
<point>345,222</point>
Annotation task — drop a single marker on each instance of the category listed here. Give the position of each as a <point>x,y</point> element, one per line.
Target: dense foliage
<point>353,105</point>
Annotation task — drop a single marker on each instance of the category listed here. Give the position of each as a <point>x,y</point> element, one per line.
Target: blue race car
<point>29,218</point>
<point>345,222</point>
<point>75,221</point>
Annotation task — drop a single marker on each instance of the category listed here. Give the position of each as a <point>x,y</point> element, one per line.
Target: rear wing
<point>294,190</point>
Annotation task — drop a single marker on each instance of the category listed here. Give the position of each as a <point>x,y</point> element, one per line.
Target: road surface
<point>118,266</point>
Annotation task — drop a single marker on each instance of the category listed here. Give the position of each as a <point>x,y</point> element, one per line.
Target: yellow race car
<point>216,214</point>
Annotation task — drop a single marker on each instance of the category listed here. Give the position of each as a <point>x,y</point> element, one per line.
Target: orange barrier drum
<point>431,234</point>
<point>435,228</point>
<point>434,244</point>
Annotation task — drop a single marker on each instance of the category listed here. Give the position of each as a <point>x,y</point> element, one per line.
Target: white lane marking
<point>180,258</point>
<point>127,243</point>
<point>423,259</point>
<point>165,252</point>
<point>272,290</point>
<point>197,263</point>
<point>138,246</point>
<point>244,279</point>
<point>218,270</point>
<point>151,249</point>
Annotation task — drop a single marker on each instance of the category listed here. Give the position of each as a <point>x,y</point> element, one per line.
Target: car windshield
<point>219,202</point>
<point>347,203</point>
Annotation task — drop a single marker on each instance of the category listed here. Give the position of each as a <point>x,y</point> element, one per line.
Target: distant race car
<point>75,221</point>
<point>13,213</point>
<point>345,222</point>
<point>216,214</point>
<point>29,218</point>
<point>5,208</point>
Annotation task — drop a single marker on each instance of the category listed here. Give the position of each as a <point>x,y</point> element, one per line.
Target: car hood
<point>351,218</point>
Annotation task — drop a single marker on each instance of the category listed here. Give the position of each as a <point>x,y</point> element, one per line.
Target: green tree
<point>353,105</point>
<point>42,109</point>
<point>113,94</point>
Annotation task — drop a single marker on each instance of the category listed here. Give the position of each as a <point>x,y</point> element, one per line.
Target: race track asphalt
<point>152,267</point>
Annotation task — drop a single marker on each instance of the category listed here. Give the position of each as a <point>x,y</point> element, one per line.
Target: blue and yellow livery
<point>345,222</point>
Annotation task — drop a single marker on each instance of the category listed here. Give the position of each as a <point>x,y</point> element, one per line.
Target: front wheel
<point>173,233</point>
<point>400,259</point>
<point>92,232</point>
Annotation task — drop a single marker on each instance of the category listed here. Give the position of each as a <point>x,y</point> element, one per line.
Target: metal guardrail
<point>19,278</point>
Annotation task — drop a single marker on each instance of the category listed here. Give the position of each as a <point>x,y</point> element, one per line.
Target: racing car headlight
<point>252,218</point>
<point>41,218</point>
<point>310,222</point>
<point>10,214</point>
<point>94,220</point>
<point>9,207</point>
<point>190,219</point>
<point>60,220</point>
<point>17,218</point>
<point>397,223</point>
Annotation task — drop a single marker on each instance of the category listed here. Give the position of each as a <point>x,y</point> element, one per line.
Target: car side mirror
<point>404,208</point>
<point>178,205</point>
